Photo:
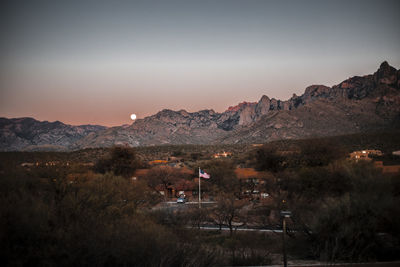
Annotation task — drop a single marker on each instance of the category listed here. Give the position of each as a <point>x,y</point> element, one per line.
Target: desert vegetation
<point>84,208</point>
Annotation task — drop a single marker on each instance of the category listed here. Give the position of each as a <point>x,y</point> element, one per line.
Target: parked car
<point>181,200</point>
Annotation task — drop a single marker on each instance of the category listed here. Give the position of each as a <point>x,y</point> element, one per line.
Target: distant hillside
<point>356,105</point>
<point>387,142</point>
<point>31,135</point>
<point>361,104</point>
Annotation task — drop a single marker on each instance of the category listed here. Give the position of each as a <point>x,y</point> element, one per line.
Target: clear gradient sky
<point>96,62</point>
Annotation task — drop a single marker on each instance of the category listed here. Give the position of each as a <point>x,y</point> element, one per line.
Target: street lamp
<point>285,214</point>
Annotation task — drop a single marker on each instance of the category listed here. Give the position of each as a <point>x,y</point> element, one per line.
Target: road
<point>224,228</point>
<point>190,203</point>
<point>172,205</point>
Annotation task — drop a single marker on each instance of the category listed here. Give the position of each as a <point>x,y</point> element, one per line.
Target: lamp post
<point>285,214</point>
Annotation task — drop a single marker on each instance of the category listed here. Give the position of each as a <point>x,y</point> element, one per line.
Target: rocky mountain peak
<point>264,98</point>
<point>317,91</point>
<point>385,66</point>
<point>184,113</point>
<point>311,93</point>
<point>263,106</point>
<point>386,74</point>
<point>240,106</point>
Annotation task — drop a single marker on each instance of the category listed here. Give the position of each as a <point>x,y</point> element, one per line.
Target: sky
<point>96,62</point>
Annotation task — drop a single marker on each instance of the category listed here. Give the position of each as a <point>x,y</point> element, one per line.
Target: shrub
<point>121,161</point>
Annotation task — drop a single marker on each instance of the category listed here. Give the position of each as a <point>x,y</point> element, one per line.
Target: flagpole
<point>199,190</point>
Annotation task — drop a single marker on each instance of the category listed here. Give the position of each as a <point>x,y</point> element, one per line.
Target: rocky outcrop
<point>358,104</point>
<point>386,74</point>
<point>263,106</point>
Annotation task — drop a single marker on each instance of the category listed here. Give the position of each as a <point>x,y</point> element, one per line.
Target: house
<point>168,192</point>
<point>139,173</point>
<point>187,188</point>
<point>387,168</point>
<point>396,153</point>
<point>252,183</point>
<point>27,164</point>
<point>158,162</point>
<point>174,186</point>
<point>222,155</point>
<point>248,174</point>
<point>364,154</point>
<point>257,145</point>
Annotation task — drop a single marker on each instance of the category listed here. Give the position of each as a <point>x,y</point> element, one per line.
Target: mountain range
<point>359,104</point>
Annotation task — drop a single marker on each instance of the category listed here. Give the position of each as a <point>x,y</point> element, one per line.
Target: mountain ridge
<point>29,134</point>
<point>357,104</point>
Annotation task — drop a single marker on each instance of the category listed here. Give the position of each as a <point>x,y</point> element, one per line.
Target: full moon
<point>133,117</point>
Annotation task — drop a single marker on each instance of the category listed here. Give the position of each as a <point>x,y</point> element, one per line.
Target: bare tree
<point>228,211</point>
<point>164,176</point>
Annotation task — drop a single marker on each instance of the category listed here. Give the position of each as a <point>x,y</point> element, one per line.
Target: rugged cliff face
<point>358,104</point>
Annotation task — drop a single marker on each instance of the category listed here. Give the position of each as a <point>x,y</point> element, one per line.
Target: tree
<point>228,211</point>
<point>222,175</point>
<point>268,159</point>
<point>163,175</point>
<point>121,161</point>
<point>319,152</point>
<point>197,216</point>
<point>344,208</point>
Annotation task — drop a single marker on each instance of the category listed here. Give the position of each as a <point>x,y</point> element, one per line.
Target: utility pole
<point>199,190</point>
<point>284,214</point>
<point>284,243</point>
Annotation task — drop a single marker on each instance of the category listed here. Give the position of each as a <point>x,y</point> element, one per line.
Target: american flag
<point>203,174</point>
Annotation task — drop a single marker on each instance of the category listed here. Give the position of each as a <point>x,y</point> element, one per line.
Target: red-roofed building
<point>252,182</point>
